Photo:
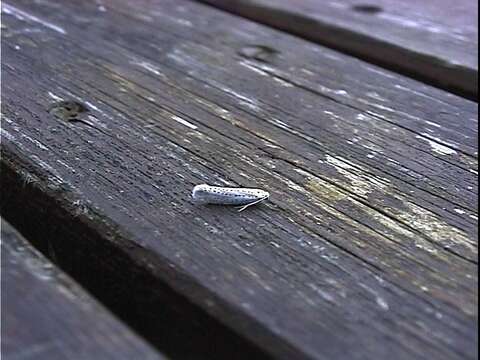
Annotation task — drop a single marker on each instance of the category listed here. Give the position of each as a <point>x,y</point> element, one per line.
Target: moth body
<point>206,194</point>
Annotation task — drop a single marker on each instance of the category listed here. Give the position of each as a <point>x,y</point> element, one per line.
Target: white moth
<point>245,197</point>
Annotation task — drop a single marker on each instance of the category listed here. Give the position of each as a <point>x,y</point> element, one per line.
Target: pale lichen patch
<point>325,190</point>
<point>394,229</point>
<point>360,183</point>
<point>435,229</point>
<point>436,146</point>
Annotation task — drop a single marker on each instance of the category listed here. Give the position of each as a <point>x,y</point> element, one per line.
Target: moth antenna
<point>252,203</point>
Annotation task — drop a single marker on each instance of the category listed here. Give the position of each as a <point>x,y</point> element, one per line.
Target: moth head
<point>199,191</point>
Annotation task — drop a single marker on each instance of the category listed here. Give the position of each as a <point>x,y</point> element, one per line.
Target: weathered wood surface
<point>368,246</point>
<point>436,41</point>
<point>45,315</point>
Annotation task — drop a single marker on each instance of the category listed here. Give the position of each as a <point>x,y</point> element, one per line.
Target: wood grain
<point>435,41</point>
<point>367,247</point>
<point>45,315</point>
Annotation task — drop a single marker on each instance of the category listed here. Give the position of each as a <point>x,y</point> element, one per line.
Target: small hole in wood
<point>67,109</point>
<point>367,9</point>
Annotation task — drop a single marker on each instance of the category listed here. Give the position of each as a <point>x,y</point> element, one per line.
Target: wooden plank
<point>368,245</point>
<point>46,315</point>
<point>435,41</point>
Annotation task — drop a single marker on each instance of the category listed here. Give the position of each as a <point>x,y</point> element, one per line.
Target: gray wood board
<point>368,246</point>
<point>46,315</point>
<point>435,41</point>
